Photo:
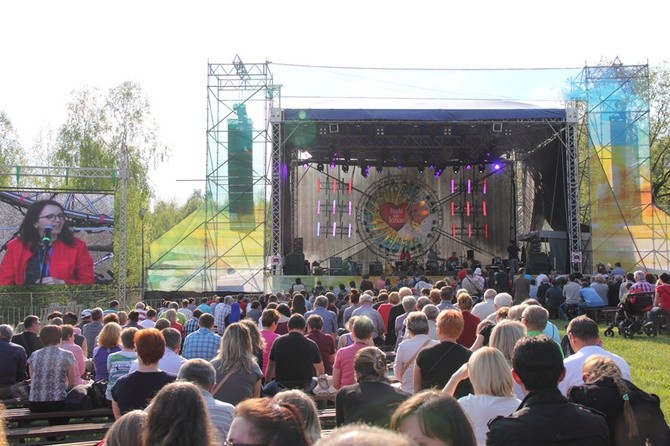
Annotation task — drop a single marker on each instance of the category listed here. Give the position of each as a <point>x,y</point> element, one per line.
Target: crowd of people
<point>467,363</point>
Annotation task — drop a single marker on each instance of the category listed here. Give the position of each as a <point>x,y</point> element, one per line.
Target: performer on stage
<point>46,250</point>
<point>405,259</point>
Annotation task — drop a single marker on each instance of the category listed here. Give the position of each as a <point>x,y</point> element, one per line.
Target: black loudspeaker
<point>294,264</point>
<point>376,269</point>
<point>336,262</point>
<point>470,254</point>
<point>297,245</point>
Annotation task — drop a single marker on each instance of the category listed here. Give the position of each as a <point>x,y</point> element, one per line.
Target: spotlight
<point>399,166</point>
<point>468,167</point>
<point>345,168</point>
<point>365,171</point>
<point>319,167</point>
<point>379,169</point>
<point>457,169</point>
<point>496,166</point>
<point>420,169</point>
<point>481,168</point>
<point>438,172</point>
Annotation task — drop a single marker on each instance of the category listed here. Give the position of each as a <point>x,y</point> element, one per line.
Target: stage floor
<point>283,283</point>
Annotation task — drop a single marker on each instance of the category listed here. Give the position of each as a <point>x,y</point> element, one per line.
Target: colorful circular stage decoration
<point>399,213</point>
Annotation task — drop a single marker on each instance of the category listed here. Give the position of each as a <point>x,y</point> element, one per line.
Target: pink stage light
<point>453,186</point>
<point>334,186</point>
<point>453,230</point>
<point>318,207</point>
<point>318,185</point>
<point>334,206</point>
<point>334,228</point>
<point>469,186</point>
<point>484,187</point>
<point>469,230</point>
<point>350,208</point>
<point>349,232</point>
<point>453,209</point>
<point>351,187</point>
<point>484,208</point>
<point>467,208</point>
<point>486,230</point>
<point>318,229</point>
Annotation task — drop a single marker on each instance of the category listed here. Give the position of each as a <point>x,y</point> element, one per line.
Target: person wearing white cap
<point>474,284</point>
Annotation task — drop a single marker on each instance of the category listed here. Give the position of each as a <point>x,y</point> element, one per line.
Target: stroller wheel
<point>627,333</point>
<point>650,329</point>
<point>609,332</point>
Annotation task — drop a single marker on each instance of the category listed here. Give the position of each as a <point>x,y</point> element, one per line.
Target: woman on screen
<point>46,251</point>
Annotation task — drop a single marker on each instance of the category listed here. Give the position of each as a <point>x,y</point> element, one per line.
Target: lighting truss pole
<point>574,227</point>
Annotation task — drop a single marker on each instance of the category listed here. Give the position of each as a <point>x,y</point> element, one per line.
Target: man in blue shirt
<point>202,343</point>
<point>329,317</point>
<point>588,298</point>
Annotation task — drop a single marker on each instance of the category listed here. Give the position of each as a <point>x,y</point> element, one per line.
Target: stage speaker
<point>376,269</point>
<point>470,254</point>
<point>336,263</point>
<point>294,264</point>
<point>297,245</point>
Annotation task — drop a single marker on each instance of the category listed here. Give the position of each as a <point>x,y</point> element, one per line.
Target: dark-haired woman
<point>29,259</point>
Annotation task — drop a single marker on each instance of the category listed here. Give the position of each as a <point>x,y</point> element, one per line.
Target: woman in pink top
<point>343,369</point>
<point>68,344</point>
<point>269,319</point>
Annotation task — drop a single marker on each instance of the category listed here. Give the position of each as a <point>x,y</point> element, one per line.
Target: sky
<point>51,48</point>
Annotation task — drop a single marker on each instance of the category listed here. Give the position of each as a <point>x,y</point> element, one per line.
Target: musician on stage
<point>453,258</point>
<point>46,251</point>
<point>405,259</point>
<point>432,263</point>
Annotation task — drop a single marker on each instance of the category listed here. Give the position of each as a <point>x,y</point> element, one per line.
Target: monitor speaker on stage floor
<point>297,245</point>
<point>376,269</point>
<point>470,254</point>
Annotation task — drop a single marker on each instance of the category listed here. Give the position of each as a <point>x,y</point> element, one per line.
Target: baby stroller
<point>631,315</point>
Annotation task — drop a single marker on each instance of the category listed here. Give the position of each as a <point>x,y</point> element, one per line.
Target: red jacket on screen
<point>73,264</point>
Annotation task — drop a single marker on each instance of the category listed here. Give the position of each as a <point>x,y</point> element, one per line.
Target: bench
<point>24,414</point>
<point>57,431</point>
<point>602,314</point>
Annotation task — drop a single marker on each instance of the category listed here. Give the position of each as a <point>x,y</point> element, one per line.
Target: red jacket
<point>73,264</point>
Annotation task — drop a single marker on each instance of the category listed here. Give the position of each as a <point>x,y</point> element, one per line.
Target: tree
<point>659,134</point>
<point>11,152</point>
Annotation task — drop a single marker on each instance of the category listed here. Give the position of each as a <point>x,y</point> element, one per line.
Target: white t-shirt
<point>483,408</point>
<point>406,350</point>
<point>573,366</point>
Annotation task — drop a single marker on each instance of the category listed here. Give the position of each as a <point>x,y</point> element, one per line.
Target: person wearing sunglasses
<point>46,251</point>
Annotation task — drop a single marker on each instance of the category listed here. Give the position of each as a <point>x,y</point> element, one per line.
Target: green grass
<point>648,358</point>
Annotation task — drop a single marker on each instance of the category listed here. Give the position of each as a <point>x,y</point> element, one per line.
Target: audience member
<point>470,321</point>
<point>634,417</point>
<point>343,367</point>
<point>486,307</point>
<point>329,318</point>
<point>13,364</point>
<point>92,330</point>
<point>307,409</point>
<point>238,375</point>
<point>150,321</point>
<point>109,342</point>
<point>545,416</point>
<point>371,399</point>
<point>360,434</point>
<point>28,338</point>
<point>269,319</point>
<point>127,430</point>
<point>492,382</point>
<point>325,342</point>
<point>432,418</point>
<point>585,341</point>
<point>417,327</point>
<point>178,416</point>
<point>204,342</point>
<point>202,374</point>
<point>435,365</point>
<point>67,343</point>
<point>119,363</point>
<point>260,421</point>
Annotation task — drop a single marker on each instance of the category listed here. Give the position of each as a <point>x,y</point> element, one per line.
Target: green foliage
<point>11,152</point>
<point>659,134</point>
<point>167,214</point>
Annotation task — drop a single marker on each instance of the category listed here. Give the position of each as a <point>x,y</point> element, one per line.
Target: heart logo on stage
<point>419,211</point>
<point>393,215</point>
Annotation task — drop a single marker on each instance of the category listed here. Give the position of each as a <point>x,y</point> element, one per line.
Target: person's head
<point>664,277</point>
<point>151,314</point>
<point>515,312</point>
<point>206,320</point>
<point>110,335</point>
<point>489,373</point>
<point>6,331</point>
<point>582,331</point>
<point>269,317</point>
<point>175,305</point>
<point>297,322</point>
<point>236,350</point>
<point>171,315</point>
<point>503,300</point>
<point>261,421</point>
<point>70,318</point>
<point>298,304</point>
<point>32,323</point>
<point>447,293</point>
<point>85,315</point>
<point>54,314</point>
<point>284,309</point>
<point>257,341</point>
<point>408,303</point>
<point>360,434</point>
<point>404,291</point>
<point>363,328</point>
<point>128,338</point>
<point>365,299</point>
<point>639,276</point>
<point>464,302</point>
<point>501,313</point>
<point>431,312</point>
<point>321,301</point>
<point>597,367</point>
<point>149,345</point>
<point>394,298</point>
<point>432,416</point>
<point>417,323</point>
<point>489,294</point>
<point>50,335</point>
<point>178,415</point>
<point>449,324</point>
<point>370,365</point>
<point>43,214</point>
<point>111,317</point>
<point>505,335</point>
<point>307,408</point>
<point>56,321</point>
<point>315,322</point>
<point>162,324</point>
<point>172,338</point>
<point>127,430</point>
<point>140,306</point>
<point>114,304</point>
<point>199,372</point>
<point>537,363</point>
<point>535,317</point>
